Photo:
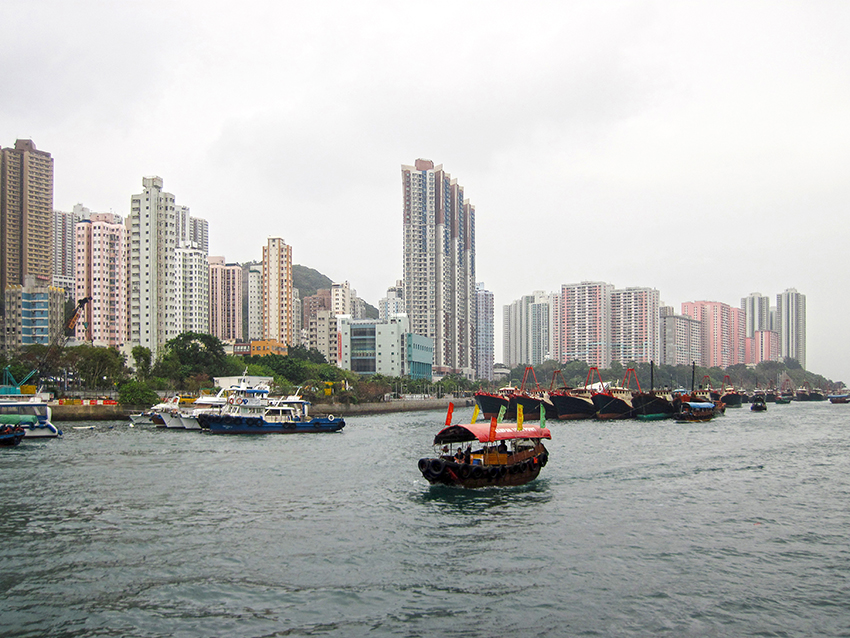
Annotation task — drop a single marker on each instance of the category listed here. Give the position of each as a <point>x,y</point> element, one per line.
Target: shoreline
<point>120,413</point>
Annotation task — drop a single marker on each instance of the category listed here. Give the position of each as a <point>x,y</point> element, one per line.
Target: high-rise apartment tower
<point>439,265</point>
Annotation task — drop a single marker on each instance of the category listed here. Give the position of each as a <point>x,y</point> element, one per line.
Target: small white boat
<point>26,405</point>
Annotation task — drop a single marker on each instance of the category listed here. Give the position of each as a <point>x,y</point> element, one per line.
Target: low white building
<point>370,346</point>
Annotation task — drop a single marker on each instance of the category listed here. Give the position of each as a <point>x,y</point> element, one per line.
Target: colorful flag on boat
<point>475,414</point>
<point>519,416</point>
<point>501,414</point>
<point>542,416</point>
<point>449,414</point>
<point>493,429</point>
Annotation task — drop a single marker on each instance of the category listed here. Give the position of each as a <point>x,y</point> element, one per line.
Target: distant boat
<point>730,396</point>
<point>759,403</point>
<point>695,411</point>
<point>839,398</point>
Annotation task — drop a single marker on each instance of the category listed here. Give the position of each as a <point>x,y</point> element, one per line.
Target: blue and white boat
<point>249,410</point>
<point>24,407</point>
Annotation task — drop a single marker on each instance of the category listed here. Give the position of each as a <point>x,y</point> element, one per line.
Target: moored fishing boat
<point>491,402</point>
<point>571,403</point>
<point>614,402</point>
<point>839,398</point>
<point>507,456</point>
<point>653,405</point>
<point>530,400</point>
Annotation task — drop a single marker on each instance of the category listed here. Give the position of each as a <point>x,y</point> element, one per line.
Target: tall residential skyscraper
<point>225,299</point>
<point>252,301</point>
<point>101,275</point>
<point>635,328</point>
<point>439,265</point>
<point>153,275</point>
<point>484,342</point>
<point>585,330</point>
<point>791,320</point>
<point>193,289</point>
<point>26,215</point>
<point>756,309</point>
<point>64,248</point>
<point>278,323</point>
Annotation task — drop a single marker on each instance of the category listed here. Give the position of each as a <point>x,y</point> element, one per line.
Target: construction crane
<point>53,349</point>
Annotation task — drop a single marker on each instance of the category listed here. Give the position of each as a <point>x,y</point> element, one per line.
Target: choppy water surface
<point>736,527</point>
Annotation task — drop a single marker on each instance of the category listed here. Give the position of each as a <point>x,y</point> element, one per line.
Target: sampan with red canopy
<point>481,432</point>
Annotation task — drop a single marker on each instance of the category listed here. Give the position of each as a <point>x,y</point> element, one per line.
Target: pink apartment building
<point>225,299</point>
<point>723,330</point>
<point>101,275</point>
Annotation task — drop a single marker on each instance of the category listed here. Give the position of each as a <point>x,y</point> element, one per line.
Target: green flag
<point>501,414</point>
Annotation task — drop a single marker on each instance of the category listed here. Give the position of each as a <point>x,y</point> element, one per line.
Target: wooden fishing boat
<point>505,455</point>
<point>571,403</point>
<point>695,412</point>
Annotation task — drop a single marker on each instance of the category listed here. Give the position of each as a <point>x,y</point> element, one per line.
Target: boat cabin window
<point>31,410</point>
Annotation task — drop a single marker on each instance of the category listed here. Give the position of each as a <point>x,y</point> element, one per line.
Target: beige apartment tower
<point>278,323</point>
<point>26,215</point>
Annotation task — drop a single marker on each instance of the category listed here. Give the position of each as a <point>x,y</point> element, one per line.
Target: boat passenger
<point>467,456</point>
<point>502,449</point>
<point>459,455</point>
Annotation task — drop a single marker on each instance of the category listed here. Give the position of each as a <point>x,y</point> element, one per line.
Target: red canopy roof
<point>481,431</point>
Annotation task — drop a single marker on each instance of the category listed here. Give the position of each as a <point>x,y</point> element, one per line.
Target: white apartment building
<point>278,323</point>
<point>635,331</point>
<point>252,304</point>
<point>757,315</point>
<point>393,303</point>
<point>100,274</point>
<point>439,265</point>
<point>791,325</point>
<point>193,289</point>
<point>64,248</point>
<point>484,339</point>
<point>681,339</point>
<point>153,277</point>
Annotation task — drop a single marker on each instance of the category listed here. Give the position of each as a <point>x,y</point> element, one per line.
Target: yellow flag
<point>475,414</point>
<point>519,416</point>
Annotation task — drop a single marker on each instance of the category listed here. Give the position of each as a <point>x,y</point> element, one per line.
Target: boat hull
<point>439,471</point>
<point>218,424</point>
<point>11,435</point>
<point>609,407</point>
<point>490,404</point>
<point>570,407</point>
<point>649,406</point>
<point>733,399</point>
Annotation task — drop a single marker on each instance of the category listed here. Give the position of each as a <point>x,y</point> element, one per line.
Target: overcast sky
<point>698,148</point>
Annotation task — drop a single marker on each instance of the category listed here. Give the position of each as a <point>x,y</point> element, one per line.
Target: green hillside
<point>309,280</point>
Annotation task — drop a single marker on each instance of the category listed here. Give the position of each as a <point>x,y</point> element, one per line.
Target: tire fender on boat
<point>330,417</point>
<point>464,470</point>
<point>437,466</point>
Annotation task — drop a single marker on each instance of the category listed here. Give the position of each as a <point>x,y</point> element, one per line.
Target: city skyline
<point>687,148</point>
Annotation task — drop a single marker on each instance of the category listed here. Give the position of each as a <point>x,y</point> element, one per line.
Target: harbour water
<point>736,527</point>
